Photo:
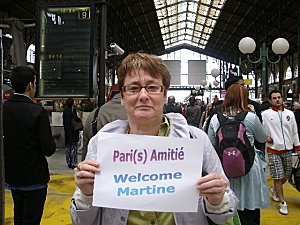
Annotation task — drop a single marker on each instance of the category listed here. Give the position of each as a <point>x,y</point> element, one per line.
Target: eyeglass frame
<point>141,87</point>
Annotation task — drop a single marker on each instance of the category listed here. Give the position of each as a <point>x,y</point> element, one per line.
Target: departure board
<point>65,51</point>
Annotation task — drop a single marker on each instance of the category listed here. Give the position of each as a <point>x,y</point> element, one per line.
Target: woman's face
<point>143,105</point>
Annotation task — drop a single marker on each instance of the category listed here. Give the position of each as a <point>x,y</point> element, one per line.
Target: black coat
<point>71,136</point>
<point>27,140</point>
<point>171,107</point>
<point>264,106</point>
<point>297,117</point>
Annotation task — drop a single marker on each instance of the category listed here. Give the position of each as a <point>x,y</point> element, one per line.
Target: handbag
<point>77,125</point>
<point>295,175</point>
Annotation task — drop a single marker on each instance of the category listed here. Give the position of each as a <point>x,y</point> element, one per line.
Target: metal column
<point>17,28</point>
<point>102,46</point>
<point>2,173</point>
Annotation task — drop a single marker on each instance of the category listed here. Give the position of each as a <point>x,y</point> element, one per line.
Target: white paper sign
<point>148,173</point>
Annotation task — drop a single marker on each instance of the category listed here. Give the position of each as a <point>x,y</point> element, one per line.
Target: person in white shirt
<point>281,128</point>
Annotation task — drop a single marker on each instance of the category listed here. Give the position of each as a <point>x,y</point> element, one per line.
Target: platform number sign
<point>84,14</point>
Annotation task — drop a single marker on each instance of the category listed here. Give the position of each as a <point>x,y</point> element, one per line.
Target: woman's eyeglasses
<point>150,88</point>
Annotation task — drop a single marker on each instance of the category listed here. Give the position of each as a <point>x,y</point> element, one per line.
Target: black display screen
<point>65,51</point>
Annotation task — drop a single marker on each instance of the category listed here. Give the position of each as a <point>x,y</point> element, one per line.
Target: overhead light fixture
<point>280,46</point>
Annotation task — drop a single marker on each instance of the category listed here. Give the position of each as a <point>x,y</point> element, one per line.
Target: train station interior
<point>76,47</point>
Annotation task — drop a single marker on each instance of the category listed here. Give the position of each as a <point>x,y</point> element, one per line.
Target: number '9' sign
<point>84,15</point>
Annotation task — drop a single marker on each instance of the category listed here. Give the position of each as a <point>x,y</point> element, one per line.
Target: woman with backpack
<point>234,136</point>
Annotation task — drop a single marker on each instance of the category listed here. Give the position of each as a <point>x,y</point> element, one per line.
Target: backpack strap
<point>221,117</point>
<point>94,122</point>
<point>241,116</point>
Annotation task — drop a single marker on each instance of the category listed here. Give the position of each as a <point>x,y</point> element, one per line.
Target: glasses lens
<point>152,88</point>
<point>134,89</point>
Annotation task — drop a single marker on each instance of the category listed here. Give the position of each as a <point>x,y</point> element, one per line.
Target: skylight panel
<point>198,27</point>
<point>182,16</point>
<point>192,7</point>
<point>182,25</point>
<point>188,38</point>
<point>195,39</point>
<point>182,7</point>
<point>189,31</point>
<point>173,27</point>
<point>191,16</point>
<point>189,24</point>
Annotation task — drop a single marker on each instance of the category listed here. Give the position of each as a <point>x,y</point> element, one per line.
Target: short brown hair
<point>274,91</point>
<point>236,97</point>
<point>150,63</point>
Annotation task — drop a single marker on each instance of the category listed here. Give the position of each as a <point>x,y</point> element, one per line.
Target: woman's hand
<point>85,175</point>
<point>251,107</point>
<point>212,186</point>
<point>269,140</point>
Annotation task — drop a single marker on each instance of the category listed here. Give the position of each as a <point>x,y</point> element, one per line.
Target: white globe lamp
<point>280,46</point>
<point>215,72</point>
<point>203,82</point>
<point>216,83</point>
<point>247,45</point>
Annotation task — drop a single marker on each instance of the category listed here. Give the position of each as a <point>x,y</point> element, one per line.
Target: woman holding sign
<point>144,80</point>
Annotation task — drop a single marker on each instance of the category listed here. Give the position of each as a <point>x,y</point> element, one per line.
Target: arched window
<point>288,73</point>
<point>277,77</point>
<point>271,78</point>
<point>30,56</point>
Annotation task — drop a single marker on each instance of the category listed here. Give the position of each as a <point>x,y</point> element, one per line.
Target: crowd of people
<point>142,107</point>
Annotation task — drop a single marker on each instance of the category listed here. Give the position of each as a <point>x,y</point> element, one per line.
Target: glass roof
<point>187,22</point>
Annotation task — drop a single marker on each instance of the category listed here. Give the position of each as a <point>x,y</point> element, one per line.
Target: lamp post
<point>203,83</point>
<point>279,46</point>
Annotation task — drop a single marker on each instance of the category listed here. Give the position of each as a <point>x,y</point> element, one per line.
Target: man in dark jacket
<point>110,111</point>
<point>265,104</point>
<point>193,113</point>
<point>27,142</point>
<point>171,106</point>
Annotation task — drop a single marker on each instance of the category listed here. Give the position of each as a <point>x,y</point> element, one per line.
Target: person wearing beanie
<point>234,80</point>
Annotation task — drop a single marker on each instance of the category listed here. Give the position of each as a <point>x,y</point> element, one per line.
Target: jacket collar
<point>276,110</point>
<point>20,98</point>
